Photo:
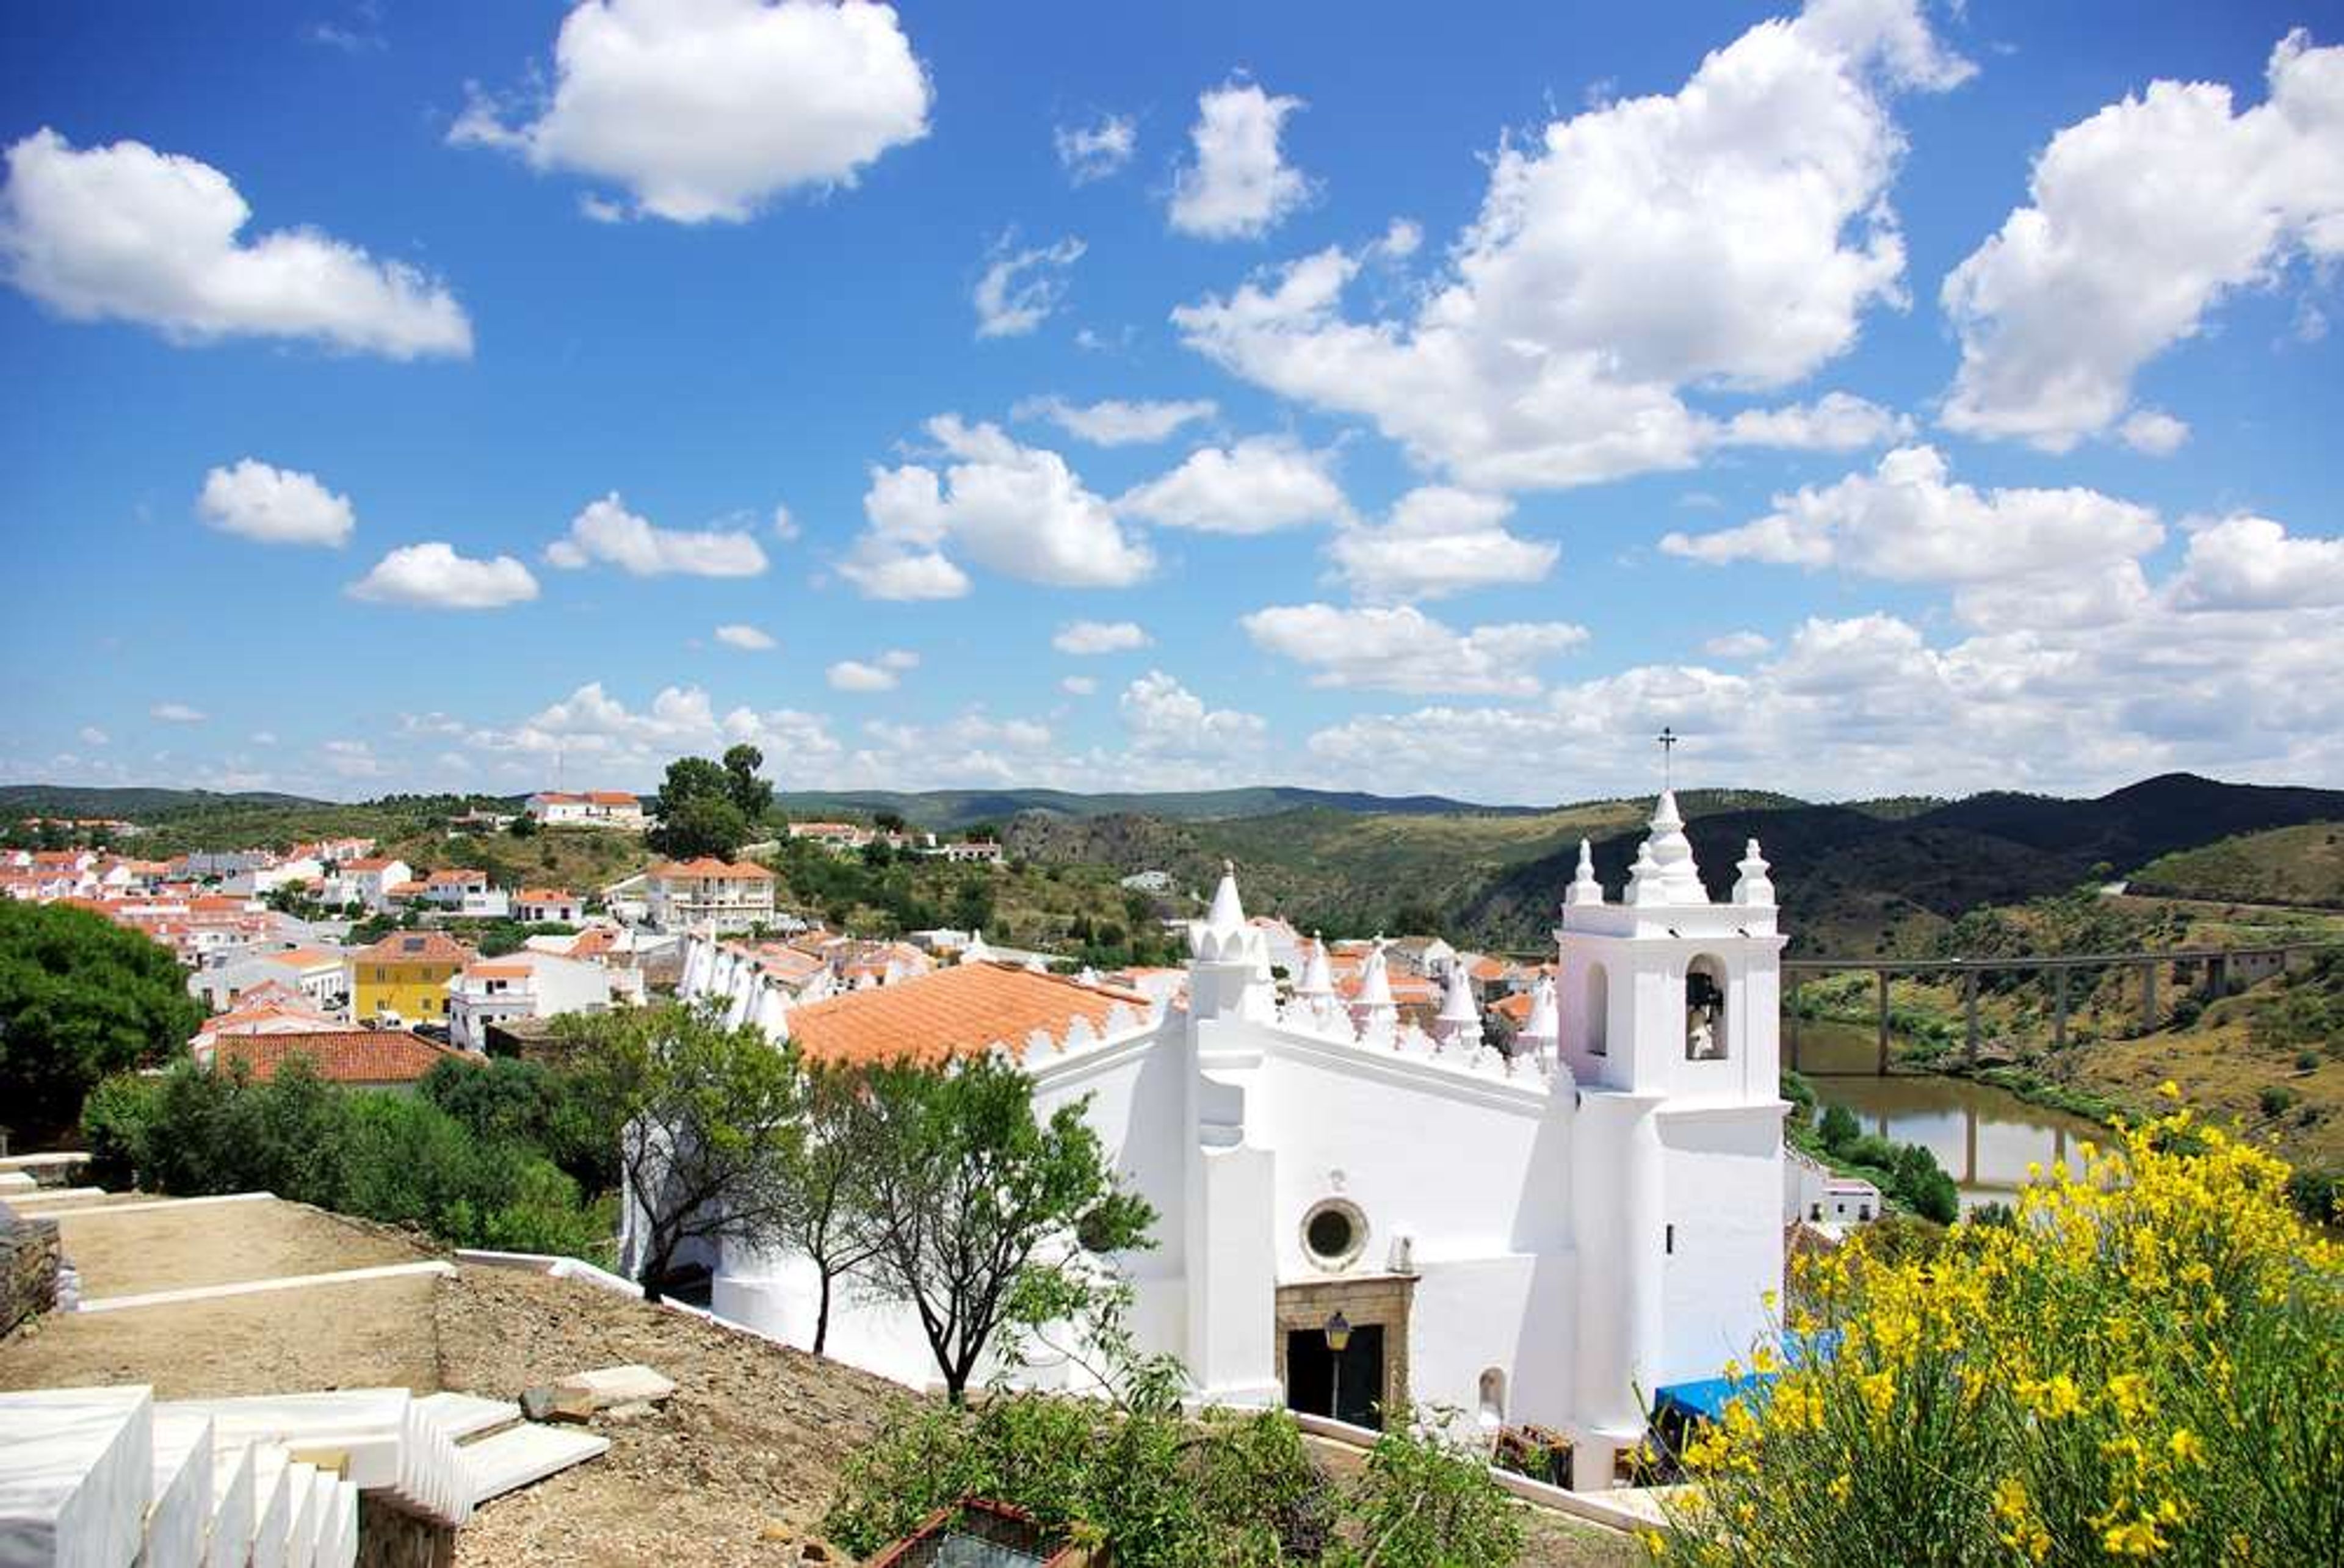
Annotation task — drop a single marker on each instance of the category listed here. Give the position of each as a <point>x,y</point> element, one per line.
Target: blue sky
<point>1550,375</point>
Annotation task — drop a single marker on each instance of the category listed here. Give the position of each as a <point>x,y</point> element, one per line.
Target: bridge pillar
<point>2149,997</point>
<point>2059,1008</point>
<point>1969,1012</point>
<point>1884,1022</point>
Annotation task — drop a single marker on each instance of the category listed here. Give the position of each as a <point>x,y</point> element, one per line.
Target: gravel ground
<point>735,1468</point>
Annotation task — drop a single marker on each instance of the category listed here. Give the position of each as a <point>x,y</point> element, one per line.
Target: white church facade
<point>1547,1237</point>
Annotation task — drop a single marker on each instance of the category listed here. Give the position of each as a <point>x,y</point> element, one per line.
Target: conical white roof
<point>1318,980</point>
<point>1375,983</point>
<point>1671,854</point>
<point>1228,910</point>
<point>1546,1020</point>
<point>1457,1005</point>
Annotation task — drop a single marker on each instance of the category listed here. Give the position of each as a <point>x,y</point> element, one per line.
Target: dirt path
<point>375,1334</point>
<point>127,1254</point>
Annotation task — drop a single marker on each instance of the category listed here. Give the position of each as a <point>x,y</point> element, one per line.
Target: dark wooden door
<point>1349,1387</point>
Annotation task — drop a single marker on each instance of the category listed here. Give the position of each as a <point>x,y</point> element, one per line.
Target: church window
<point>1599,1010</point>
<point>1705,1010</point>
<point>1334,1233</point>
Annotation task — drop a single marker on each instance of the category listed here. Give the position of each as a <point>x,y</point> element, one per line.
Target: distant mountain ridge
<point>951,809</point>
<point>135,801</point>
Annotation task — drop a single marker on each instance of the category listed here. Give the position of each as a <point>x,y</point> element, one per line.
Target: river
<point>1985,1137</point>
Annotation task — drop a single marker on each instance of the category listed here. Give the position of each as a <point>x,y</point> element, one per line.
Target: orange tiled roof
<point>958,1012</point>
<point>1516,1007</point>
<point>341,1056</point>
<point>544,896</point>
<point>1488,968</point>
<point>613,797</point>
<point>456,874</point>
<point>302,957</point>
<point>709,867</point>
<point>367,865</point>
<point>415,947</point>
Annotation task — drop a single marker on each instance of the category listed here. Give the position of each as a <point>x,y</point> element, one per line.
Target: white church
<point>1547,1236</point>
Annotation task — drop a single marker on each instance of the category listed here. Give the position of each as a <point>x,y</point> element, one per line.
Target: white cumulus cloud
<point>1238,185</point>
<point>1096,150</point>
<point>748,639</point>
<point>706,110</point>
<point>176,714</point>
<point>1908,522</point>
<point>1114,421</point>
<point>1020,289</point>
<point>127,233</point>
<point>607,532</point>
<point>1166,719</point>
<point>1015,510</point>
<point>433,576</point>
<point>1401,648</point>
<point>1259,485</point>
<point>2253,563</point>
<point>1085,637</point>
<point>274,505</point>
<point>1440,540</point>
<point>2140,219</point>
<point>1728,236</point>
<point>856,675</point>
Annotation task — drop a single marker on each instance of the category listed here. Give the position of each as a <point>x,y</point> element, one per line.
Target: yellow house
<point>406,972</point>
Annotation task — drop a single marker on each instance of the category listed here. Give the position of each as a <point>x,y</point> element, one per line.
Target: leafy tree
<point>753,794</point>
<point>700,825</point>
<point>1839,1127</point>
<point>971,1196</point>
<point>827,1215</point>
<point>80,997</point>
<point>710,1118</point>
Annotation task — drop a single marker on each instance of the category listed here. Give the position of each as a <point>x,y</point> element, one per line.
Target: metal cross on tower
<point>1668,739</point>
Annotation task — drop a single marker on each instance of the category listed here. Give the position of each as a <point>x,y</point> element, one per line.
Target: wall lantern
<point>1339,1333</point>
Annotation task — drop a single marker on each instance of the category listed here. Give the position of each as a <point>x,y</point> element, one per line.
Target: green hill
<point>954,809</point>
<point>2301,865</point>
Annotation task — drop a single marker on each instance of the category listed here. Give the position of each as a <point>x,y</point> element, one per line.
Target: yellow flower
<point>1842,1487</point>
<point>2169,1089</point>
<point>1879,1390</point>
<point>2185,1446</point>
<point>1653,1543</point>
<point>2135,1537</point>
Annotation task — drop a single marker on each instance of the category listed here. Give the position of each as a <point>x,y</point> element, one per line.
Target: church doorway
<point>1342,1345</point>
<point>1346,1384</point>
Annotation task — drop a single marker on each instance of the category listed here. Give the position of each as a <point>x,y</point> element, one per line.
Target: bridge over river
<point>2207,972</point>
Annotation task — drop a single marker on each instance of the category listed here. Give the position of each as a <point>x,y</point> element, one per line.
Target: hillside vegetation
<point>2302,865</point>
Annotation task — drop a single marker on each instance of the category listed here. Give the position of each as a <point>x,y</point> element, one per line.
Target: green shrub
<point>80,999</point>
<point>1230,1489</point>
<point>114,1120</point>
<point>2275,1099</point>
<point>1839,1127</point>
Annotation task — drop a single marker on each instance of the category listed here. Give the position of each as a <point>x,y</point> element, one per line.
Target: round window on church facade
<point>1334,1233</point>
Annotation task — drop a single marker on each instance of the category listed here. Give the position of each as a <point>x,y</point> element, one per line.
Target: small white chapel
<point>1355,1213</point>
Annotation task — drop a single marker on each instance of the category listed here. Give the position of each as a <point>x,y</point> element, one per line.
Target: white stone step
<point>463,1416</point>
<point>272,1510</point>
<point>301,1515</point>
<point>76,1470</point>
<point>14,1181</point>
<point>180,1515</point>
<point>608,1386</point>
<point>524,1454</point>
<point>228,1540</point>
<point>54,1200</point>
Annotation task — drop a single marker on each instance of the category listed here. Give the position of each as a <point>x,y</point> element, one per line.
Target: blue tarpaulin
<point>1705,1398</point>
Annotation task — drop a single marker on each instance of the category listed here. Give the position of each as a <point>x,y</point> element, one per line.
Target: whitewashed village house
<point>1548,1238</point>
<point>593,808</point>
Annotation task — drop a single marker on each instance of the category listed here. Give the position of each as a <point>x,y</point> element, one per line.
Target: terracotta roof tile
<point>710,866</point>
<point>415,947</point>
<point>343,1056</point>
<point>958,1012</point>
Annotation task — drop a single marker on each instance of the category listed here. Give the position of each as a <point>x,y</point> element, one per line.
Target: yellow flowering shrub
<point>2146,1363</point>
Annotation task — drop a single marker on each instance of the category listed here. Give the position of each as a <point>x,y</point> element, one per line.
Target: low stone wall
<point>389,1538</point>
<point>29,1256</point>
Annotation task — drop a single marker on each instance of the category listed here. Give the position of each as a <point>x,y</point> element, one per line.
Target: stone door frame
<point>1304,1305</point>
